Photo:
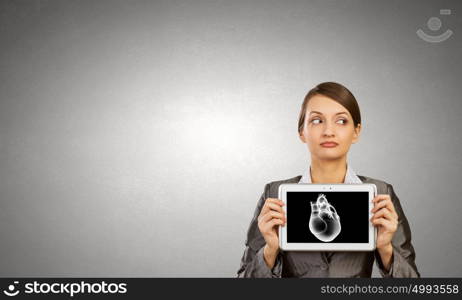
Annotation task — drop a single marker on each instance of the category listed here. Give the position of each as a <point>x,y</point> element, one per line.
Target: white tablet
<point>328,217</point>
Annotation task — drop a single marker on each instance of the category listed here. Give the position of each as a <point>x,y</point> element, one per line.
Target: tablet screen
<point>324,217</point>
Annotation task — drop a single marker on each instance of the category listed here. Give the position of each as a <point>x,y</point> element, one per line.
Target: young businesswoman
<point>329,123</point>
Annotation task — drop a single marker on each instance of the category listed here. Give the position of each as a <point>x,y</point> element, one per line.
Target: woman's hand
<point>270,217</point>
<point>386,219</point>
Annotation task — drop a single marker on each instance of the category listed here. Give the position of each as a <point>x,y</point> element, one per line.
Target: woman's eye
<point>317,121</point>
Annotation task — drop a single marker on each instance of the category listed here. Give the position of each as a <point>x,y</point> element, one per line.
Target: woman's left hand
<point>386,219</point>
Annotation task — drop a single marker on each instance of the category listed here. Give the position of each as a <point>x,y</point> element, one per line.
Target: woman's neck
<point>328,171</point>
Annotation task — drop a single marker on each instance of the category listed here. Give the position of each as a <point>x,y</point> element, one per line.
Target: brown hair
<point>336,92</point>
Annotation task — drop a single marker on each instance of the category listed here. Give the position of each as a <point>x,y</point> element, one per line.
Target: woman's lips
<point>329,145</point>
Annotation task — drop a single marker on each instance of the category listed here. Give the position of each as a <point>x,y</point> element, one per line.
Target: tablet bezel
<point>334,187</point>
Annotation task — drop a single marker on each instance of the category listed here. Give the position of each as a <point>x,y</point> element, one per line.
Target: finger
<point>272,214</point>
<point>274,207</point>
<point>271,207</point>
<point>275,200</point>
<point>268,226</point>
<point>384,212</point>
<point>384,203</point>
<point>388,225</point>
<point>378,206</point>
<point>380,197</point>
<point>263,218</point>
<point>271,201</point>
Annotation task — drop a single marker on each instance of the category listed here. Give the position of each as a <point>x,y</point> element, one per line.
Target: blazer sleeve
<point>253,264</point>
<point>403,259</point>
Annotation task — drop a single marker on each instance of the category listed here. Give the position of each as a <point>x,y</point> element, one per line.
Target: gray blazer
<point>328,264</point>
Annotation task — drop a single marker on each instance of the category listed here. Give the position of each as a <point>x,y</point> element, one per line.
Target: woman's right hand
<point>270,217</point>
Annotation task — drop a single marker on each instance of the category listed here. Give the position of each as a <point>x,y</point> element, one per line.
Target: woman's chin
<point>330,155</point>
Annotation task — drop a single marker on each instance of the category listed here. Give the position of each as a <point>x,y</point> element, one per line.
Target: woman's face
<point>328,121</point>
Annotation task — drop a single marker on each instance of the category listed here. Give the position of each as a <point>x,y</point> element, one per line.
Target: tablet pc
<point>328,217</point>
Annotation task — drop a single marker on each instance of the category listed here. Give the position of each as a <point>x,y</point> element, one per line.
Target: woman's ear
<point>357,133</point>
<point>302,137</point>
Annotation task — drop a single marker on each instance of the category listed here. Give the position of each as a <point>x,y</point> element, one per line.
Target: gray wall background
<point>136,136</point>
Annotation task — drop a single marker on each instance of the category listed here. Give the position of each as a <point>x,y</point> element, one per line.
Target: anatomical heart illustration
<point>324,220</point>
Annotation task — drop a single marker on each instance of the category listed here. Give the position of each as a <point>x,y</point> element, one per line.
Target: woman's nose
<point>329,129</point>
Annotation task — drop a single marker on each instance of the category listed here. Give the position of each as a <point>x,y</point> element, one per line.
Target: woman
<point>329,123</point>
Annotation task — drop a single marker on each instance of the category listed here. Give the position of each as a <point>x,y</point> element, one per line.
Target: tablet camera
<point>324,220</point>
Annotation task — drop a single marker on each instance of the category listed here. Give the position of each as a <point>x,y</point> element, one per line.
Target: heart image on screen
<point>324,220</point>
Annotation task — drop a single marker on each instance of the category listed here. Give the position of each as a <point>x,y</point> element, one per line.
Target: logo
<point>67,288</point>
<point>434,24</point>
<point>11,290</point>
